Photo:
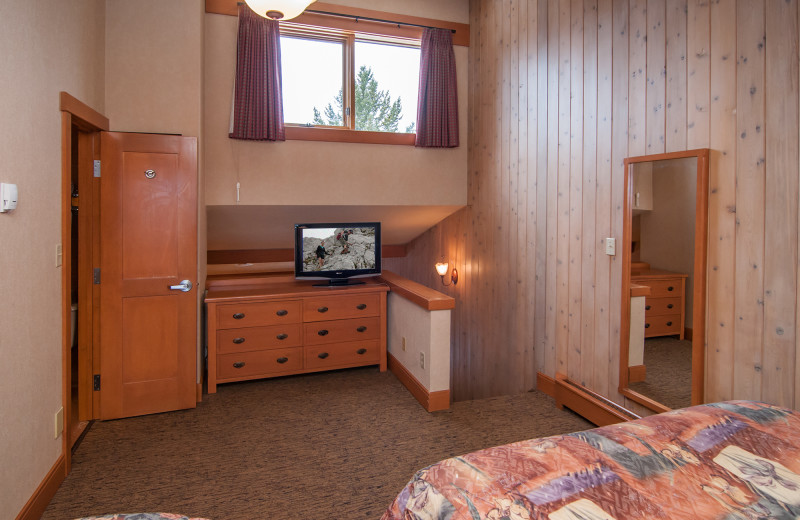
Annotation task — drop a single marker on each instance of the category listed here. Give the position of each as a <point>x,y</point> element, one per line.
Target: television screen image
<point>337,251</point>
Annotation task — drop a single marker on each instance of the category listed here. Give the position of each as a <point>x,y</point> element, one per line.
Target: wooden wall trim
<point>431,401</point>
<point>546,384</point>
<point>41,498</point>
<point>347,135</point>
<point>586,403</point>
<point>260,256</point>
<point>427,298</point>
<point>88,118</point>
<point>460,34</point>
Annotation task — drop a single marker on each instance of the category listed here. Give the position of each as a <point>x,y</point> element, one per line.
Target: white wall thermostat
<point>8,197</point>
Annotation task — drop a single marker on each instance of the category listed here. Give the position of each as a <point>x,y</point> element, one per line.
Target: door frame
<point>76,114</point>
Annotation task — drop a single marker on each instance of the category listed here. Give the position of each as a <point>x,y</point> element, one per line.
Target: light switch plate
<point>611,246</point>
<point>59,255</point>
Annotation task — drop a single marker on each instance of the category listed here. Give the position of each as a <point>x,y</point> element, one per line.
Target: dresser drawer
<point>257,314</point>
<point>664,288</point>
<point>259,338</point>
<point>657,306</point>
<point>662,325</point>
<point>343,354</point>
<point>323,332</point>
<point>264,362</point>
<point>340,307</point>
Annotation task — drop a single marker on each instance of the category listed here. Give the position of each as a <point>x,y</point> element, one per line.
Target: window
<point>340,80</point>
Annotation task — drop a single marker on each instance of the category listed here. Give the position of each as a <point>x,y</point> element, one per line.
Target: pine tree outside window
<point>342,80</point>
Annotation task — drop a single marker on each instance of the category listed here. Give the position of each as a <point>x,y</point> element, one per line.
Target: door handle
<point>184,286</point>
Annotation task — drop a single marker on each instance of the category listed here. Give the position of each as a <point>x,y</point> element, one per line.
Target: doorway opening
<point>81,128</point>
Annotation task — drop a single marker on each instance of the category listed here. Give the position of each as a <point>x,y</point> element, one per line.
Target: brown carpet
<point>668,361</point>
<point>335,445</point>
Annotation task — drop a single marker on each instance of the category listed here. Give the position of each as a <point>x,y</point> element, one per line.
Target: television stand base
<point>339,282</point>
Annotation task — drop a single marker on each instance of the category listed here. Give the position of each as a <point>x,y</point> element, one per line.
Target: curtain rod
<point>369,19</point>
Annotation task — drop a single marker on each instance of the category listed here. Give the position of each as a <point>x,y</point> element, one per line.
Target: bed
<point>729,460</point>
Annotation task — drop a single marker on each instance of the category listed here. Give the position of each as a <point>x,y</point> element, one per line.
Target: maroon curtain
<point>258,97</point>
<point>437,107</point>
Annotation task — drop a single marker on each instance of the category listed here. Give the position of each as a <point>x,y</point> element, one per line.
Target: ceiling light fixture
<point>278,9</point>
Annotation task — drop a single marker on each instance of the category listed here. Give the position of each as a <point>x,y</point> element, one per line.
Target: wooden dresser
<point>291,327</point>
<point>665,307</point>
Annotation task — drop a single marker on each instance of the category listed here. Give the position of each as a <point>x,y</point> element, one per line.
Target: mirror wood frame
<point>700,277</point>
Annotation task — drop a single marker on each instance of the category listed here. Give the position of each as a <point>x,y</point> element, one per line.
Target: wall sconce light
<point>278,9</point>
<point>441,269</point>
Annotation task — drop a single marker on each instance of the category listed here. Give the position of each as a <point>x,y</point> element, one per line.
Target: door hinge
<point>96,382</point>
<point>97,168</point>
<point>96,276</point>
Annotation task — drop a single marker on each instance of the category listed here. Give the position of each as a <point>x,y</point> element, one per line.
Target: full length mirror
<point>664,279</point>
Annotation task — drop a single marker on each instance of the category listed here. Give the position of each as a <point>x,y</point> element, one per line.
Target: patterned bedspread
<point>730,460</point>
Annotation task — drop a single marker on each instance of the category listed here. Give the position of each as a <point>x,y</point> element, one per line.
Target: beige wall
<point>47,48</point>
<point>154,66</point>
<point>320,173</point>
<point>560,96</point>
<point>425,332</point>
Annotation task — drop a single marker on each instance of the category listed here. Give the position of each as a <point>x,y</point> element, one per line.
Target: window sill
<point>336,135</point>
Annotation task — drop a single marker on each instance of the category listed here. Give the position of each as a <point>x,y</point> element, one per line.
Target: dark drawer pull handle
<point>647,307</point>
<point>361,329</point>
<point>669,324</point>
<point>322,355</point>
<point>647,325</point>
<point>238,364</point>
<point>670,288</point>
<point>361,351</point>
<point>238,316</point>
<point>282,360</point>
<point>322,309</point>
<point>282,336</point>
<point>361,306</point>
<point>238,340</point>
<point>282,312</point>
<point>322,332</point>
<point>669,306</point>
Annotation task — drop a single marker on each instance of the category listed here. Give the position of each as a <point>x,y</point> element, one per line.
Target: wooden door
<point>148,243</point>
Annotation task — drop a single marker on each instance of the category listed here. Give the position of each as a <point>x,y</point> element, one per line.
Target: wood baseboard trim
<point>546,384</point>
<point>688,333</point>
<point>199,392</point>
<point>431,401</point>
<point>41,498</point>
<point>586,403</point>
<point>637,373</point>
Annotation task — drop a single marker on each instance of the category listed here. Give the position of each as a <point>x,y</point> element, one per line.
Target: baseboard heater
<point>586,403</point>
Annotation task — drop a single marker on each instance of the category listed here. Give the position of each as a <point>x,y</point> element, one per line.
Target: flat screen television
<point>338,252</point>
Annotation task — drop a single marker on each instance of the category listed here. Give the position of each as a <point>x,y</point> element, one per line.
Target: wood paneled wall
<point>560,93</point>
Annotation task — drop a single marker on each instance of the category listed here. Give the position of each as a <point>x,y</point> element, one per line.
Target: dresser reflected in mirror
<point>664,279</point>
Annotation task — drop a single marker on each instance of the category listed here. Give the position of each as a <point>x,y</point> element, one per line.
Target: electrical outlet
<point>59,422</point>
<point>422,360</point>
<point>404,343</point>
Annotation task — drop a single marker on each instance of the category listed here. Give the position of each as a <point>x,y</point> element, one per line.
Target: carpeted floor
<point>335,445</point>
<point>669,371</point>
